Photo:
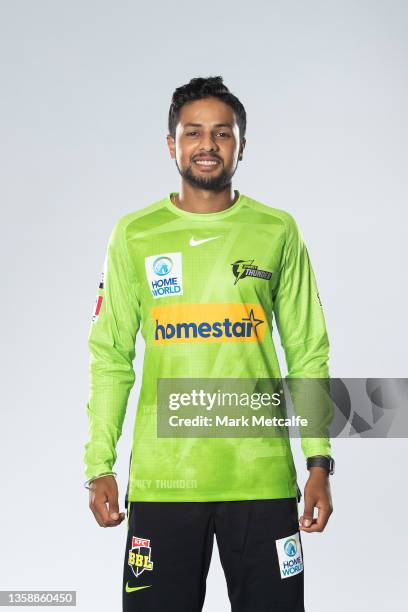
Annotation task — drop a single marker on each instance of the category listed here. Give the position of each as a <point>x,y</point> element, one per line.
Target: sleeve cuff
<point>88,482</point>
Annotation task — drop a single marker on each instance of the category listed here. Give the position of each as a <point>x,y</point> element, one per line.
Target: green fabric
<point>216,468</point>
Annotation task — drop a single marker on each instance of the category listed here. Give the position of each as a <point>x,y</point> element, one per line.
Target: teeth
<point>206,162</point>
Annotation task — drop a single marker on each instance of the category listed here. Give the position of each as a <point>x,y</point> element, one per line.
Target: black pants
<point>169,547</point>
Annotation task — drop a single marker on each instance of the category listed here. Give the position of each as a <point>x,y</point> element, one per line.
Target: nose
<point>208,143</point>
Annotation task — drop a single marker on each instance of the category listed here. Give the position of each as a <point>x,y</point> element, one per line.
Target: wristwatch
<point>324,461</point>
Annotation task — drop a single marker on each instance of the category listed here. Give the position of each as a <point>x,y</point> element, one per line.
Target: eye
<point>191,133</point>
<point>224,134</point>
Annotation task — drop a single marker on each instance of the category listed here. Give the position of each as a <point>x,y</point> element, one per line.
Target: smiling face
<point>207,146</point>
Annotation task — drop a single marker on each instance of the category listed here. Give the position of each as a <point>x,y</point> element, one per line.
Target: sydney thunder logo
<point>243,268</point>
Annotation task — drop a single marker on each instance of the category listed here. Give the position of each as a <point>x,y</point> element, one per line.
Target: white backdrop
<point>86,88</point>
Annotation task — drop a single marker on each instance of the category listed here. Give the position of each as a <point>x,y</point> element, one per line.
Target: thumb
<point>307,513</point>
<point>113,506</point>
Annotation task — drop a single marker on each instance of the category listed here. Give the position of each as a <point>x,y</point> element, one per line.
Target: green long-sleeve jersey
<point>205,291</point>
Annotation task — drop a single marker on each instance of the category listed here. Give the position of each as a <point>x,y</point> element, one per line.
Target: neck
<point>204,201</point>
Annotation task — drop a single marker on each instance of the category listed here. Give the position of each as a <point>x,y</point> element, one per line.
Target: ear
<point>171,145</point>
<point>241,148</point>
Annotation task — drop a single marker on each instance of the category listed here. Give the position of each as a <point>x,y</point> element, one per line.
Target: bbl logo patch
<point>97,309</point>
<point>243,268</point>
<point>99,298</point>
<point>139,556</point>
<point>289,555</point>
<point>164,274</point>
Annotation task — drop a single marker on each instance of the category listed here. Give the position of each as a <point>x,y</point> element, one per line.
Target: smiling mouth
<point>206,163</point>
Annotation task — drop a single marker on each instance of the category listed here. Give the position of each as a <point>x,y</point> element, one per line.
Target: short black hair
<point>199,88</point>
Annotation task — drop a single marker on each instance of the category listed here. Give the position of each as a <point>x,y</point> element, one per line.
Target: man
<point>202,272</point>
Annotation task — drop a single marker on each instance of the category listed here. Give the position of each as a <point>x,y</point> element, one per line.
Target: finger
<point>323,517</point>
<point>100,510</point>
<point>104,519</point>
<point>320,522</point>
<point>113,506</point>
<point>114,522</point>
<point>307,517</point>
<point>310,528</point>
<point>122,516</point>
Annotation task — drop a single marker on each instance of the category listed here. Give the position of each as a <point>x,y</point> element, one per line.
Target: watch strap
<point>323,461</point>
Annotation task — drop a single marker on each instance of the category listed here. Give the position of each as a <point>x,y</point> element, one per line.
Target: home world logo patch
<point>244,268</point>
<point>139,557</point>
<point>289,555</point>
<point>164,274</point>
<point>181,323</point>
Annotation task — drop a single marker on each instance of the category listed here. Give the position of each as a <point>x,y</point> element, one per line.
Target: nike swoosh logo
<point>197,242</point>
<point>129,589</point>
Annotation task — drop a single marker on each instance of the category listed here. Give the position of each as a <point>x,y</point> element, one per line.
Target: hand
<point>317,494</point>
<point>101,491</point>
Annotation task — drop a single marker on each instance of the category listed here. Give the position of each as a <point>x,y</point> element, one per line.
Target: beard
<point>210,183</point>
